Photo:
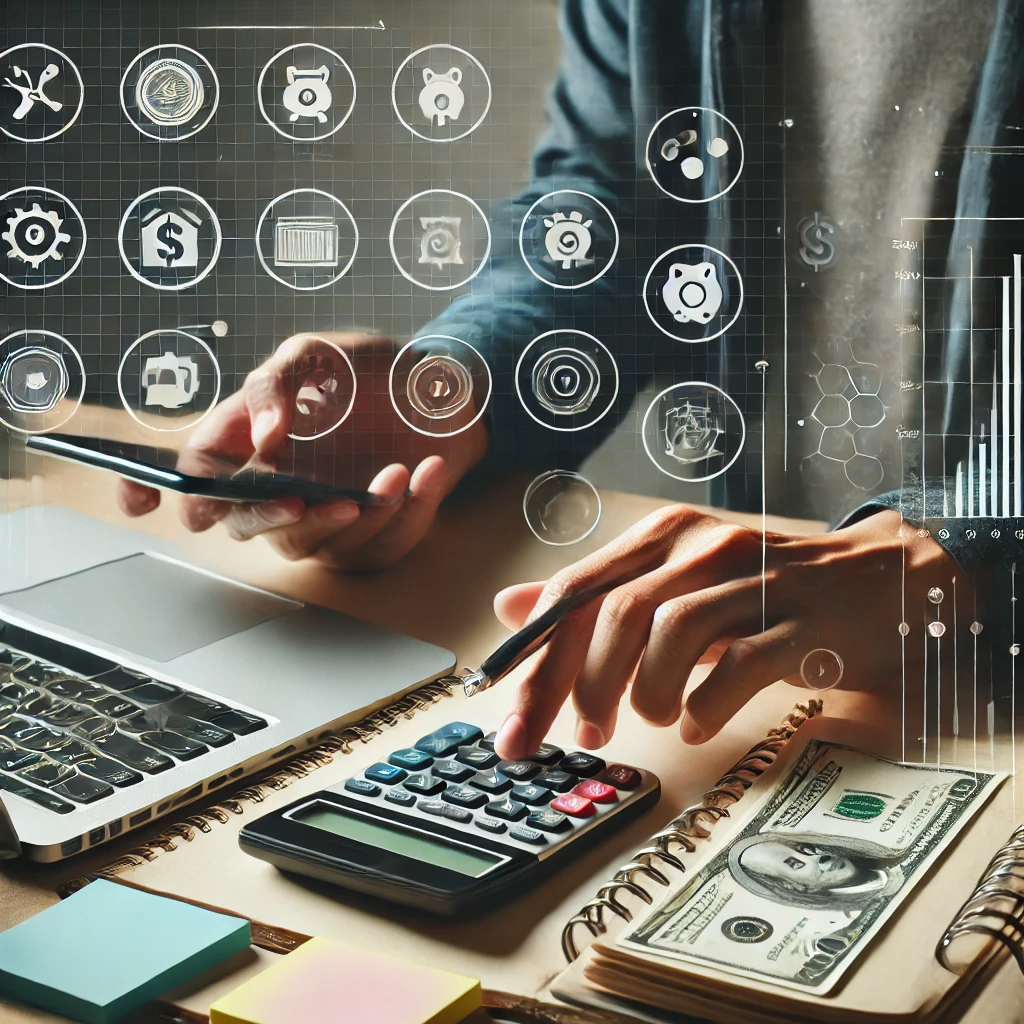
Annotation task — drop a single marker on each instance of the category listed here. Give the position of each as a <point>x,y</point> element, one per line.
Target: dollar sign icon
<point>817,250</point>
<point>166,235</point>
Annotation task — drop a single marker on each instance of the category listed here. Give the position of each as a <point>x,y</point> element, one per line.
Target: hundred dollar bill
<point>812,876</point>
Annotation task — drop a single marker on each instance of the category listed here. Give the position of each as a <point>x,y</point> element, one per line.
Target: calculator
<point>447,826</point>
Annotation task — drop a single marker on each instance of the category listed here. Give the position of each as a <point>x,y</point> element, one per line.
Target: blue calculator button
<point>451,771</point>
<point>582,764</point>
<point>446,740</point>
<point>532,795</point>
<point>425,785</point>
<point>400,797</point>
<point>443,810</point>
<point>509,809</point>
<point>389,774</point>
<point>491,825</point>
<point>463,796</point>
<point>560,782</point>
<point>488,741</point>
<point>461,731</point>
<point>411,759</point>
<point>521,771</point>
<point>548,820</point>
<point>362,787</point>
<point>477,757</point>
<point>528,835</point>
<point>491,782</point>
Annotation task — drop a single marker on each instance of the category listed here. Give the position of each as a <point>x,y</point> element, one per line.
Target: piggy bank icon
<point>692,292</point>
<point>441,98</point>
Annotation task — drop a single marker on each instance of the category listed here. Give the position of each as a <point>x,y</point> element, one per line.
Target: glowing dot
<point>717,147</point>
<point>936,629</point>
<point>897,106</point>
<point>976,628</point>
<point>788,122</point>
<point>935,595</point>
<point>219,328</point>
<point>904,628</point>
<point>1015,650</point>
<point>761,364</point>
<point>692,167</point>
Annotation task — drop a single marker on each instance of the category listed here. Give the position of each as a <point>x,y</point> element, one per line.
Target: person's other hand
<point>372,450</point>
<point>697,597</point>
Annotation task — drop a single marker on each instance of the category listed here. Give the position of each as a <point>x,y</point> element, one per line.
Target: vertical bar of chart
<point>1005,337</point>
<point>1016,385</point>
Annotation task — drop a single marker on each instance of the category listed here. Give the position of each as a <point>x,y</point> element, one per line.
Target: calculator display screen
<point>417,846</point>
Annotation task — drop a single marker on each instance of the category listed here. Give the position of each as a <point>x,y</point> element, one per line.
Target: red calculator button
<point>599,792</point>
<point>620,776</point>
<point>577,806</point>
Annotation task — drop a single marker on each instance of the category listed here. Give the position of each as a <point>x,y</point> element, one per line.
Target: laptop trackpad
<point>152,607</point>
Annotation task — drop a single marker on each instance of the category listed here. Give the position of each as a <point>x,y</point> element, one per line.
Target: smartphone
<point>157,467</point>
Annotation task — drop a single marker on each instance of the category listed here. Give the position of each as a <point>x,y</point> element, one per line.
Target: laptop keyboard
<point>74,737</point>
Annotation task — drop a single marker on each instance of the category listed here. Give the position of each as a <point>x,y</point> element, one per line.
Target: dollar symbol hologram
<point>817,249</point>
<point>173,249</point>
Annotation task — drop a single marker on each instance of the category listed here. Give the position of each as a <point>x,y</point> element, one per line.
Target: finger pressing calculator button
<point>548,820</point>
<point>599,792</point>
<point>559,781</point>
<point>547,753</point>
<point>620,776</point>
<point>577,806</point>
<point>520,771</point>
<point>443,810</point>
<point>446,740</point>
<point>530,794</point>
<point>477,757</point>
<point>388,774</point>
<point>528,835</point>
<point>400,797</point>
<point>581,764</point>
<point>509,809</point>
<point>491,782</point>
<point>362,787</point>
<point>491,825</point>
<point>463,796</point>
<point>451,771</point>
<point>411,759</point>
<point>425,785</point>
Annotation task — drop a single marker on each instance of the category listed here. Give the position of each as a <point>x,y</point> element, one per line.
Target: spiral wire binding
<point>694,824</point>
<point>1002,880</point>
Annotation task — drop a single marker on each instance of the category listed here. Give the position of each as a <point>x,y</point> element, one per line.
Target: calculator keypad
<point>539,802</point>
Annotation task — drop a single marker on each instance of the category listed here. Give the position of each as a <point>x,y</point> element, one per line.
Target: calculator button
<point>509,809</point>
<point>620,776</point>
<point>362,787</point>
<point>424,784</point>
<point>581,764</point>
<point>446,740</point>
<point>530,794</point>
<point>548,820</point>
<point>528,835</point>
<point>388,774</point>
<point>577,806</point>
<point>451,771</point>
<point>477,757</point>
<point>443,810</point>
<point>559,781</point>
<point>547,753</point>
<point>488,741</point>
<point>599,792</point>
<point>491,782</point>
<point>463,796</point>
<point>521,771</point>
<point>399,796</point>
<point>411,759</point>
<point>490,825</point>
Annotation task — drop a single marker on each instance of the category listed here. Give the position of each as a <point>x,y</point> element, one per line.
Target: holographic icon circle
<point>904,628</point>
<point>821,669</point>
<point>693,431</point>
<point>42,237</point>
<point>439,239</point>
<point>694,154</point>
<point>935,595</point>
<point>568,239</point>
<point>169,238</point>
<point>307,239</point>
<point>41,92</point>
<point>976,628</point>
<point>42,381</point>
<point>936,629</point>
<point>324,384</point>
<point>561,507</point>
<point>439,385</point>
<point>441,93</point>
<point>169,380</point>
<point>567,380</point>
<point>306,92</point>
<point>693,293</point>
<point>170,92</point>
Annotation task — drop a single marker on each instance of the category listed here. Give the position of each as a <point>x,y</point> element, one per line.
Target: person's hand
<point>697,597</point>
<point>372,450</point>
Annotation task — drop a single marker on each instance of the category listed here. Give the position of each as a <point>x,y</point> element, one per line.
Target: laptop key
<point>135,755</point>
<point>121,679</point>
<point>171,743</point>
<point>27,733</point>
<point>238,722</point>
<point>43,797</point>
<point>201,732</point>
<point>191,705</point>
<point>74,689</point>
<point>68,752</point>
<point>82,789</point>
<point>112,705</point>
<point>64,714</point>
<point>11,758</point>
<point>46,773</point>
<point>106,769</point>
<point>93,728</point>
<point>153,692</point>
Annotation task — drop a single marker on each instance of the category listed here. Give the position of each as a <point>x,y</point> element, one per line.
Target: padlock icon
<point>307,93</point>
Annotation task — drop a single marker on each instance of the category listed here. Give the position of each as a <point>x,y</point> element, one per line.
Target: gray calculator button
<point>451,771</point>
<point>507,808</point>
<point>463,796</point>
<point>548,820</point>
<point>424,784</point>
<point>528,835</point>
<point>362,787</point>
<point>530,794</point>
<point>399,796</point>
<point>559,781</point>
<point>491,825</point>
<point>443,810</point>
<point>519,771</point>
<point>477,758</point>
<point>491,782</point>
<point>547,753</point>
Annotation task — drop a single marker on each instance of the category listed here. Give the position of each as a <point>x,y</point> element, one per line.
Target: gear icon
<point>35,235</point>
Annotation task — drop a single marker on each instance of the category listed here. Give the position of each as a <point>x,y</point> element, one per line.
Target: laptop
<point>133,683</point>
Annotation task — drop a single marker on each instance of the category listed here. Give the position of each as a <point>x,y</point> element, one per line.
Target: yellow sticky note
<point>329,982</point>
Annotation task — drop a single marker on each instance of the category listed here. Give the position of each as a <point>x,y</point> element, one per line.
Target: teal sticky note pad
<point>109,948</point>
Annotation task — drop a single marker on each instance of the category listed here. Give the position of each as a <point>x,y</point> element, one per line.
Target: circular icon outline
<point>391,384</point>
<point>550,474</point>
<point>739,304</point>
<point>600,344</point>
<point>351,403</point>
<point>807,657</point>
<point>81,89</point>
<point>465,53</point>
<point>213,106</point>
<point>81,251</point>
<point>216,230</point>
<point>81,366</point>
<point>439,287</point>
<point>650,169</point>
<point>700,384</point>
<point>313,287</point>
<point>216,369</point>
<point>597,202</point>
<point>277,128</point>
